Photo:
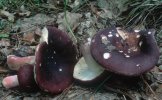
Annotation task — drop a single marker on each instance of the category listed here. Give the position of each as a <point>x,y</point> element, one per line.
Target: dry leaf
<point>72,18</point>
<point>7,15</point>
<point>29,37</point>
<point>4,43</point>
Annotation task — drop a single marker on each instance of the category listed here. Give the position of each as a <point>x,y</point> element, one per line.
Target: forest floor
<point>22,21</point>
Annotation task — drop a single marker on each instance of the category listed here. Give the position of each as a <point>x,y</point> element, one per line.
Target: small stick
<point>117,91</point>
<point>155,96</point>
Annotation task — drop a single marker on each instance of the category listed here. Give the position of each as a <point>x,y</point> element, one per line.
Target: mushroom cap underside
<point>87,70</point>
<point>56,56</point>
<point>53,72</point>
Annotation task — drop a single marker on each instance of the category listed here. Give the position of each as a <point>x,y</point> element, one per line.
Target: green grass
<point>13,5</point>
<point>143,12</point>
<point>67,23</point>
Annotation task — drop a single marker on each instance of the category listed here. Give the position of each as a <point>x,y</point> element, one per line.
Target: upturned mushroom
<point>55,58</point>
<point>23,80</point>
<point>125,52</point>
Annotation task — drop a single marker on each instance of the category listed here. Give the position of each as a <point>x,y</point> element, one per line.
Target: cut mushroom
<point>56,56</point>
<point>24,79</point>
<point>124,54</point>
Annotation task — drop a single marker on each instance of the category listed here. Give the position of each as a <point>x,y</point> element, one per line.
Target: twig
<point>4,97</point>
<point>155,96</point>
<point>102,83</point>
<point>120,92</point>
<point>124,97</point>
<point>64,93</point>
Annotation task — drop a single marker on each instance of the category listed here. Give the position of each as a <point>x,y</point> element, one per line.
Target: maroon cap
<point>55,60</point>
<point>126,52</point>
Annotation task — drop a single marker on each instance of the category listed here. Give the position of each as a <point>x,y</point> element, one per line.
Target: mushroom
<point>125,52</point>
<point>55,58</point>
<point>87,70</point>
<point>15,62</point>
<point>24,79</point>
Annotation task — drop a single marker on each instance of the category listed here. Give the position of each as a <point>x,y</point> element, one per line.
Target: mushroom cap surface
<point>125,52</point>
<point>55,60</point>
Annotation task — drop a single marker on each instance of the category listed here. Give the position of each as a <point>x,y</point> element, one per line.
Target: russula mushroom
<point>24,79</point>
<point>15,62</point>
<point>125,52</point>
<point>87,70</point>
<point>56,56</point>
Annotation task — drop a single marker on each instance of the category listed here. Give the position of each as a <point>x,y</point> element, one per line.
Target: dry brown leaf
<point>155,69</point>
<point>29,37</point>
<point>72,18</point>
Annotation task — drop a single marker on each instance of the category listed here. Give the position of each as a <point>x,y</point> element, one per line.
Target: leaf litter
<point>89,17</point>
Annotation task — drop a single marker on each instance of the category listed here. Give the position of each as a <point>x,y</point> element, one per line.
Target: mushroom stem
<point>15,62</point>
<point>10,81</point>
<point>87,69</point>
<point>23,80</point>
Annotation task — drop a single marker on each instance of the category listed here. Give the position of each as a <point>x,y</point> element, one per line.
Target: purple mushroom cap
<point>126,52</point>
<point>55,60</point>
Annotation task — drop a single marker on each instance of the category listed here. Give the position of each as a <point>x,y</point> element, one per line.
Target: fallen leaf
<point>72,18</point>
<point>30,24</point>
<point>29,37</point>
<point>23,51</point>
<point>38,31</point>
<point>112,8</point>
<point>155,69</point>
<point>7,15</point>
<point>4,43</point>
<point>5,51</point>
